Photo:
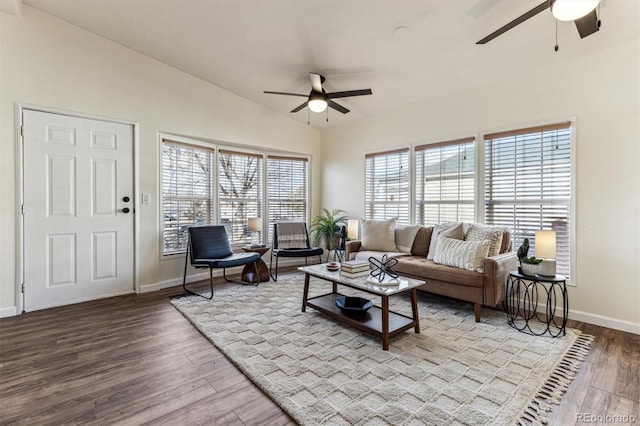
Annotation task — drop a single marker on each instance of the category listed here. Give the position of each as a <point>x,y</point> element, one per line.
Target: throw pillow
<point>481,233</point>
<point>378,235</point>
<point>405,235</point>
<point>452,229</point>
<point>468,255</point>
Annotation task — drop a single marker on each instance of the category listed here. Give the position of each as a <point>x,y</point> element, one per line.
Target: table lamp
<point>352,229</point>
<point>255,226</point>
<point>546,250</point>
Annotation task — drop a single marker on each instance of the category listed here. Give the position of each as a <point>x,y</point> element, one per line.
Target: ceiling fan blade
<point>285,93</point>
<point>588,24</point>
<point>299,107</point>
<point>316,82</point>
<point>519,20</point>
<point>349,93</point>
<point>337,107</point>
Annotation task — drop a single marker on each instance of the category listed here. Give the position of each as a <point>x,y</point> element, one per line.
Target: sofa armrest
<point>351,247</point>
<point>496,270</point>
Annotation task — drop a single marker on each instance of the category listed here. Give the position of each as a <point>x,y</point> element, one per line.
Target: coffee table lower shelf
<point>369,322</point>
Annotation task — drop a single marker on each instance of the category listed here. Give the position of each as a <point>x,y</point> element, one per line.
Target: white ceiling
<point>247,46</point>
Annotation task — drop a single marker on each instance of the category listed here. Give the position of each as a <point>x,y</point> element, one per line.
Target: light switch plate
<point>146,198</point>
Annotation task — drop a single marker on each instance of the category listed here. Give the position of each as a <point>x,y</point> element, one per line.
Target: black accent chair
<point>208,247</point>
<point>303,249</point>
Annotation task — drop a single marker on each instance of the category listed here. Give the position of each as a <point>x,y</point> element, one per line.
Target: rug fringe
<point>557,384</point>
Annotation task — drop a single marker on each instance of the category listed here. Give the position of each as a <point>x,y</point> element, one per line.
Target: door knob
<point>126,210</point>
<point>125,199</point>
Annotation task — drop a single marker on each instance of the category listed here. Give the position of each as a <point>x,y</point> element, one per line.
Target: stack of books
<point>354,268</point>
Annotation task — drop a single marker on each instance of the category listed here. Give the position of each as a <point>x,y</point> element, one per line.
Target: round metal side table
<point>526,295</point>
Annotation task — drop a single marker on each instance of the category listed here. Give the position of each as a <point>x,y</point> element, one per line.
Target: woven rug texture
<point>320,371</point>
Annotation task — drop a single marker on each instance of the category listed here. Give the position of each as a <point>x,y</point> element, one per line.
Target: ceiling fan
<point>582,12</point>
<point>318,99</point>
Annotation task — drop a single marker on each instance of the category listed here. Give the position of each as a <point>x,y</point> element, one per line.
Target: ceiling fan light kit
<point>570,10</point>
<point>318,100</point>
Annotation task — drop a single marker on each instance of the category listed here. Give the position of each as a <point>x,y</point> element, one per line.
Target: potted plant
<point>530,265</point>
<point>326,227</point>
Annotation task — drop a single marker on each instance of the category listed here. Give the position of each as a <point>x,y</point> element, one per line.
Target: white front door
<point>78,209</point>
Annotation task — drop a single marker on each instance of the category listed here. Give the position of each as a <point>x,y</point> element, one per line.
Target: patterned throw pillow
<point>468,255</point>
<point>449,229</point>
<point>481,233</point>
<point>378,235</point>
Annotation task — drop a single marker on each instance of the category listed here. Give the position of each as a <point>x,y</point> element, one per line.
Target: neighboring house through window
<point>445,182</point>
<point>387,185</point>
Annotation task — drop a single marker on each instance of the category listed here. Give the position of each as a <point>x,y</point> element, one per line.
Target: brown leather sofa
<point>480,288</point>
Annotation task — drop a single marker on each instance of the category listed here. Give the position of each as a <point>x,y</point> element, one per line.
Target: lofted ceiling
<point>248,46</point>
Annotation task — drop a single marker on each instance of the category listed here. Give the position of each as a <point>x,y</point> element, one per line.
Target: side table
<point>249,273</point>
<point>524,293</point>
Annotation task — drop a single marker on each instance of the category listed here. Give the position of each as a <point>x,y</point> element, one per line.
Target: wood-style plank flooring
<point>135,359</point>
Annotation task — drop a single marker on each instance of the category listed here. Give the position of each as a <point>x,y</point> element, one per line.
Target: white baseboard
<point>10,311</point>
<point>603,321</point>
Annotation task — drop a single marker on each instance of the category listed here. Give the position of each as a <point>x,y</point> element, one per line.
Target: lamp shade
<point>317,102</point>
<point>254,224</point>
<point>545,244</point>
<point>570,10</point>
<point>352,229</point>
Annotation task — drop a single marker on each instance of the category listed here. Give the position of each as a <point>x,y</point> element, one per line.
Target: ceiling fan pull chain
<point>308,116</point>
<point>327,114</point>
<point>556,46</point>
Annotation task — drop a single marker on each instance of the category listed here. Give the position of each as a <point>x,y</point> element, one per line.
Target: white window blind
<point>187,194</point>
<point>445,182</point>
<point>287,190</point>
<point>240,192</point>
<point>387,185</point>
<point>528,185</point>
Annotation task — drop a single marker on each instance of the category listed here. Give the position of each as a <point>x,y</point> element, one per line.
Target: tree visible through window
<point>187,195</point>
<point>528,185</point>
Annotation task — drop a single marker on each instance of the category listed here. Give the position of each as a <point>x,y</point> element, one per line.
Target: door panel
<point>78,242</point>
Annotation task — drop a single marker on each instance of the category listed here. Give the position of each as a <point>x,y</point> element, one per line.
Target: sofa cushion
<point>378,235</point>
<point>481,233</point>
<point>468,255</point>
<point>421,243</point>
<point>451,230</point>
<point>405,235</point>
<point>424,269</point>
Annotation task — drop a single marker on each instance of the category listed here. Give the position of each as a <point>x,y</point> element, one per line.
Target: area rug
<point>320,371</point>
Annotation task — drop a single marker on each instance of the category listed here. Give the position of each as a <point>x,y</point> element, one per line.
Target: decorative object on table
<point>530,265</point>
<point>354,268</point>
<point>523,250</point>
<point>383,267</point>
<point>546,250</point>
<point>332,266</point>
<point>254,225</point>
<point>353,305</point>
<point>325,228</point>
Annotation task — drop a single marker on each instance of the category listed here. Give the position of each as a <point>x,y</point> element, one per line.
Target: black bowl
<point>353,305</point>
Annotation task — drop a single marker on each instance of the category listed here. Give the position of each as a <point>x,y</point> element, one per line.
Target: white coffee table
<point>377,321</point>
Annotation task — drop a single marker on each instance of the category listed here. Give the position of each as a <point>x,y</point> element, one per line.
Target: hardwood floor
<point>135,359</point>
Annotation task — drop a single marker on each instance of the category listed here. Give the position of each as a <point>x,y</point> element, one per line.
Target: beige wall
<point>602,91</point>
<point>46,62</point>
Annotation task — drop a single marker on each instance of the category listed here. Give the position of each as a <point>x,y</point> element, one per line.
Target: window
<point>387,185</point>
<point>528,185</point>
<point>287,189</point>
<point>240,192</point>
<point>187,195</point>
<point>445,182</point>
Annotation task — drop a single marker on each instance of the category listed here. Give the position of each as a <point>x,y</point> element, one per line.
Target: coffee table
<point>377,321</point>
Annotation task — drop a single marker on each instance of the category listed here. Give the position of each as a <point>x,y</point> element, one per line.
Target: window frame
<point>216,147</point>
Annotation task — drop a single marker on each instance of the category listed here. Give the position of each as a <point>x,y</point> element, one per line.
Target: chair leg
<point>276,277</point>
<point>271,266</point>
<point>255,266</point>
<point>319,259</point>
<point>224,275</point>
<point>184,281</point>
